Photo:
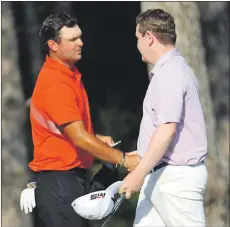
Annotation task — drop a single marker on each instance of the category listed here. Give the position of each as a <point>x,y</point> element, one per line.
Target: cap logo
<point>97,196</point>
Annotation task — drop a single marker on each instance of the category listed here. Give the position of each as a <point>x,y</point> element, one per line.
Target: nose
<point>80,42</point>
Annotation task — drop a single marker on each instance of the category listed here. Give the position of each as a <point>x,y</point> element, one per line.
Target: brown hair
<point>160,23</point>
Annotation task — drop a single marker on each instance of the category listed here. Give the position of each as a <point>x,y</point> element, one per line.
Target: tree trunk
<point>215,30</point>
<point>31,29</point>
<point>189,44</point>
<point>14,157</point>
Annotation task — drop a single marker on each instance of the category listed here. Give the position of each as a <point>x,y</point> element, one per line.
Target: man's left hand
<point>132,183</point>
<point>105,139</point>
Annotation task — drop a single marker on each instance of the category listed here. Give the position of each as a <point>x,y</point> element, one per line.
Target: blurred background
<point>116,81</point>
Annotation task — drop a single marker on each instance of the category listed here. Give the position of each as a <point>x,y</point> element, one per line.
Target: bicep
<point>74,130</point>
<point>169,127</point>
<point>169,100</point>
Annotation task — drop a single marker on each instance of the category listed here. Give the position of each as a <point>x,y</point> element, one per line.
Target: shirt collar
<point>167,56</point>
<point>63,68</point>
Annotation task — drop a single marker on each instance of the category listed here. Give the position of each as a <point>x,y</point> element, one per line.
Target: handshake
<point>130,160</point>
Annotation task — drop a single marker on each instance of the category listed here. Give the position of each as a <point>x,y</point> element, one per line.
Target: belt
<point>163,164</point>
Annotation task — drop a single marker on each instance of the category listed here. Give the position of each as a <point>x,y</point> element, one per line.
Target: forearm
<point>97,148</point>
<point>90,143</point>
<point>159,144</point>
<point>77,134</point>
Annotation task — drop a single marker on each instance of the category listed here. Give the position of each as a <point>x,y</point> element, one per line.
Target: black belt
<point>163,164</point>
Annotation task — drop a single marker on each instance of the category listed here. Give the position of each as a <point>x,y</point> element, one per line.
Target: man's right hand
<point>131,161</point>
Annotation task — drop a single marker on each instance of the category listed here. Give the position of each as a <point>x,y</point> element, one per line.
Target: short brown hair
<point>160,23</point>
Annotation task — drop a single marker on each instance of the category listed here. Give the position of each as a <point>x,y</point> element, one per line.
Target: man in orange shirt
<point>64,142</point>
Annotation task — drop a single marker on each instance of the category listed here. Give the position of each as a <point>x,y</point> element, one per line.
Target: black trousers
<point>56,190</point>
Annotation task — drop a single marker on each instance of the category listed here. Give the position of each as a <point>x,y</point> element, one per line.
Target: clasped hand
<point>133,181</point>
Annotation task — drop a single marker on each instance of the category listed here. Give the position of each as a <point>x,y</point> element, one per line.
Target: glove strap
<point>31,185</point>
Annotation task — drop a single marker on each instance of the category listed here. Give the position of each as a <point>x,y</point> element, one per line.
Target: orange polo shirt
<point>59,97</point>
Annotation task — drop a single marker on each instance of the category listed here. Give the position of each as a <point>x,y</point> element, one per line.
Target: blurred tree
<point>189,43</point>
<point>14,157</point>
<point>31,28</point>
<point>215,29</point>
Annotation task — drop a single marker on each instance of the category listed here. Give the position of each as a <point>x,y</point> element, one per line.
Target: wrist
<point>127,162</point>
<point>141,171</point>
<point>123,160</point>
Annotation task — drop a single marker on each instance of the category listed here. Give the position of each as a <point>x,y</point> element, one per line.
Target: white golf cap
<point>96,205</point>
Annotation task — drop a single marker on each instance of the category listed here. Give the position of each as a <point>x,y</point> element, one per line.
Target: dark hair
<point>160,23</point>
<point>51,27</point>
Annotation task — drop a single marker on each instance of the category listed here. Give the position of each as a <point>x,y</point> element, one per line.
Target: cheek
<point>71,46</point>
<point>140,46</point>
<point>68,47</point>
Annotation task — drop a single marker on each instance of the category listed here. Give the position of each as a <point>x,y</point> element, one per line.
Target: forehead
<point>66,32</point>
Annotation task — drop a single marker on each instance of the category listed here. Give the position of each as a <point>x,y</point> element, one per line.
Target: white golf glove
<point>27,200</point>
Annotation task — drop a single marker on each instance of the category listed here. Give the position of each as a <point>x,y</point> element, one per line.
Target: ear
<point>150,38</point>
<point>52,45</point>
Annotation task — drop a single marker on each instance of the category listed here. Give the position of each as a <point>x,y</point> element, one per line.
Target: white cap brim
<point>114,188</point>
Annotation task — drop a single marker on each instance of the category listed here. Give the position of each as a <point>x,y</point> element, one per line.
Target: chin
<point>77,58</point>
<point>144,60</point>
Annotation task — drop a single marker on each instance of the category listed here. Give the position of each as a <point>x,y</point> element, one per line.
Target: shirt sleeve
<point>61,104</point>
<point>169,96</point>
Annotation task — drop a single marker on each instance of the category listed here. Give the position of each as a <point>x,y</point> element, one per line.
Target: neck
<point>55,57</point>
<point>159,52</point>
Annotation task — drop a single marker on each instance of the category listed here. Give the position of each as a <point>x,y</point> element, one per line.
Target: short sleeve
<point>169,95</point>
<point>61,104</point>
